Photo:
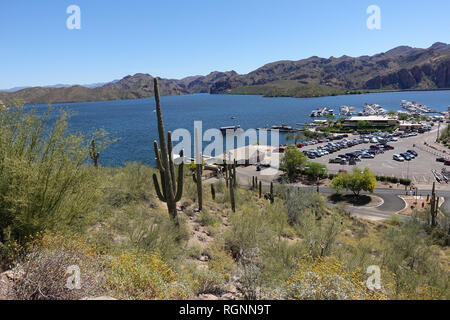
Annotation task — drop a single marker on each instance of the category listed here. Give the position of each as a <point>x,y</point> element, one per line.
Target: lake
<point>134,122</point>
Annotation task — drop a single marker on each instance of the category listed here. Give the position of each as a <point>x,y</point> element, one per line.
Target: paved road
<point>392,203</point>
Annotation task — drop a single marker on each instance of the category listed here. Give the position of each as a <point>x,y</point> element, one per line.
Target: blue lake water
<point>134,122</point>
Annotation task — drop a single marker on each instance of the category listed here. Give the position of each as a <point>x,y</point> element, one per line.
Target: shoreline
<point>236,94</point>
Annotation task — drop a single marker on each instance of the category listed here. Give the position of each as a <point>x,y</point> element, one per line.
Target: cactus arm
<point>180,179</point>
<point>171,164</point>
<point>158,156</point>
<point>158,190</point>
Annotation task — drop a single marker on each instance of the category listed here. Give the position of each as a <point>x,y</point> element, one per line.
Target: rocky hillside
<point>397,69</point>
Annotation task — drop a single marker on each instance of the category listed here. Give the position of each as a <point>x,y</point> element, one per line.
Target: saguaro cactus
<point>233,203</point>
<point>260,189</point>
<point>171,188</point>
<point>94,154</point>
<point>434,206</point>
<point>213,192</point>
<point>198,171</point>
<point>272,197</point>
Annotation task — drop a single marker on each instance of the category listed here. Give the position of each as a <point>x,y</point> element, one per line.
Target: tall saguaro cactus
<point>171,188</point>
<point>434,206</point>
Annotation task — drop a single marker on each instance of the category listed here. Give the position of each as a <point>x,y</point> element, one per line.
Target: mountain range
<point>402,68</point>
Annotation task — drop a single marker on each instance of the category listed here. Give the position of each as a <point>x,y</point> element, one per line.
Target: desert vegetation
<point>60,208</point>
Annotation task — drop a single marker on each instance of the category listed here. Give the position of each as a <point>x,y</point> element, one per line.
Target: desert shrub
<point>207,219</point>
<point>45,182</point>
<point>276,215</point>
<point>320,235</point>
<point>279,259</point>
<point>249,229</point>
<point>299,201</point>
<point>150,231</point>
<point>144,276</point>
<point>189,188</point>
<point>42,270</point>
<point>202,280</point>
<point>418,274</point>
<point>131,183</point>
<point>195,251</point>
<point>327,279</point>
<point>220,260</point>
<point>250,270</point>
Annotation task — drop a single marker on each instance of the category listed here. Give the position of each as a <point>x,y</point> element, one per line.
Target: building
<point>407,125</point>
<point>376,121</point>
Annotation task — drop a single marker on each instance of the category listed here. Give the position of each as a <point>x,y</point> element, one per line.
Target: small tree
<point>356,182</point>
<point>391,113</point>
<point>293,161</point>
<point>316,171</point>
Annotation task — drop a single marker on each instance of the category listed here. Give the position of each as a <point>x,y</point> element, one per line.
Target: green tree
<point>293,161</point>
<point>391,113</point>
<point>356,181</point>
<point>403,116</point>
<point>316,171</point>
<point>363,124</point>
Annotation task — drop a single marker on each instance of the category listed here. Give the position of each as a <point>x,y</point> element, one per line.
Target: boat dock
<point>321,112</point>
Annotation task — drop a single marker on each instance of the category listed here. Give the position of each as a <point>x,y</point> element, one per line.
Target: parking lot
<point>418,169</point>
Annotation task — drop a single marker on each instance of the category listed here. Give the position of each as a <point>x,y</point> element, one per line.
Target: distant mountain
<point>400,68</point>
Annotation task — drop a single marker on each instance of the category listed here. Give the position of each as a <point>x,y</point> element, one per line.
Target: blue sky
<point>179,38</point>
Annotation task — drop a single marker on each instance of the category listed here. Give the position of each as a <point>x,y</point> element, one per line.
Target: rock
<point>231,288</point>
<point>6,284</point>
<point>229,296</point>
<point>207,297</point>
<point>204,258</point>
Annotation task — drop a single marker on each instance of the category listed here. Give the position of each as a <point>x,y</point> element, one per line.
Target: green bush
<point>45,182</point>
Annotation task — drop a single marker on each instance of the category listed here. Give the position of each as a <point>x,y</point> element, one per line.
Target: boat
<point>321,112</point>
<point>284,128</point>
<point>230,129</point>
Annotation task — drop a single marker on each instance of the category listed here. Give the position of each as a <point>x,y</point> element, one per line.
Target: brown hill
<point>397,69</point>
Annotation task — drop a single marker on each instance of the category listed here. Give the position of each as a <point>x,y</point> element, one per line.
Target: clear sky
<point>178,38</point>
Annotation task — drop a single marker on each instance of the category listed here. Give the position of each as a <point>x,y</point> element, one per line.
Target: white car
<point>398,157</point>
<point>394,139</point>
<point>367,156</point>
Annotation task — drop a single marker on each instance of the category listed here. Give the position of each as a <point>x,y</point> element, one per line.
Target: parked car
<point>398,157</point>
<point>441,159</point>
<point>406,156</point>
<point>414,153</point>
<point>367,156</point>
<point>447,162</point>
<point>337,160</point>
<point>388,147</point>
